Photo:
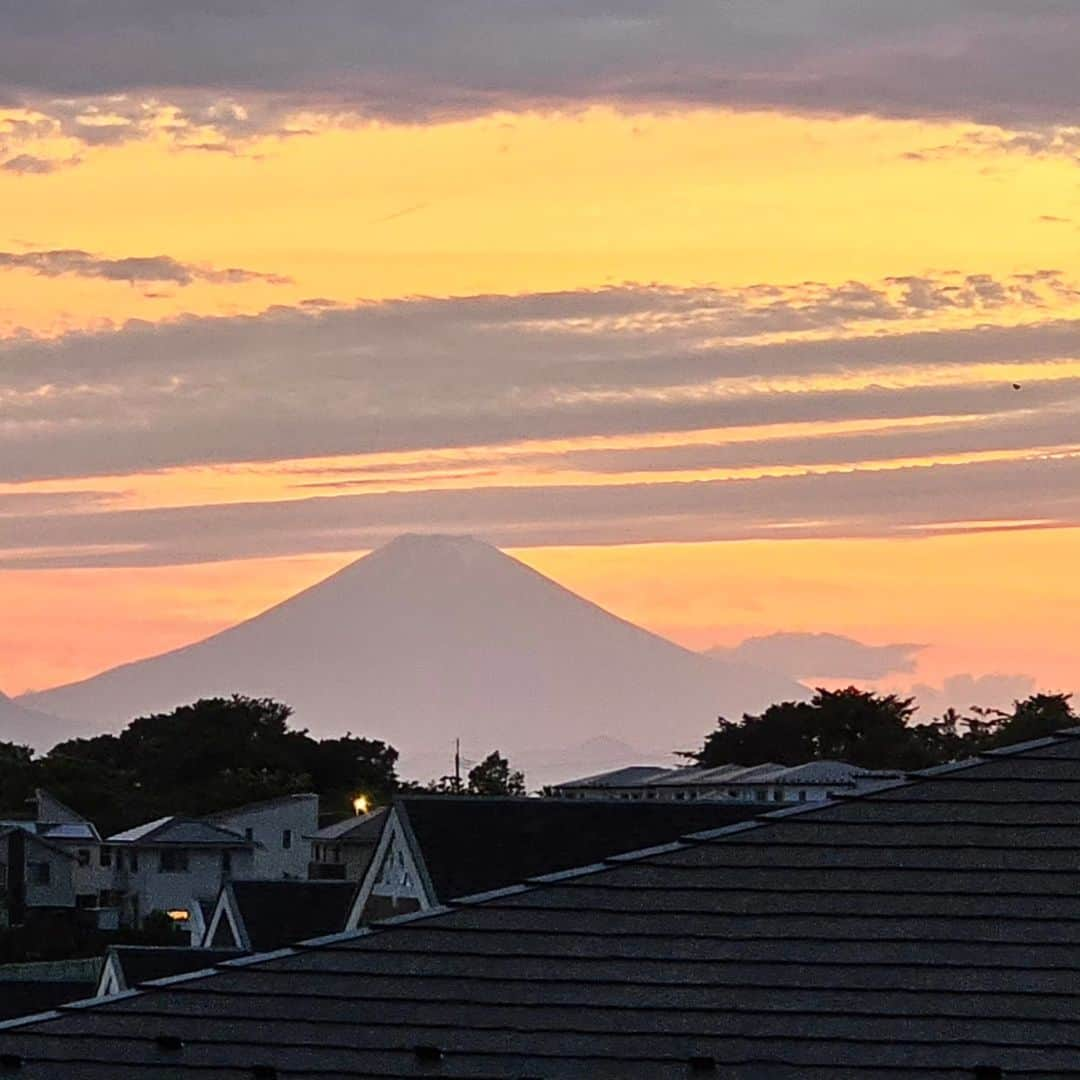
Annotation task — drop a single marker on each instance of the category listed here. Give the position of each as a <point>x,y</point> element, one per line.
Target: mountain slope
<point>429,638</point>
<point>27,727</point>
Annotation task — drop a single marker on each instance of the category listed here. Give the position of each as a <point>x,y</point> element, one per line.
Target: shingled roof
<point>927,930</point>
<point>470,845</point>
<point>259,916</point>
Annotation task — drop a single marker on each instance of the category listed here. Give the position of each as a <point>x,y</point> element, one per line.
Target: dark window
<point>39,873</point>
<point>226,862</point>
<point>133,858</point>
<point>286,839</point>
<point>777,795</point>
<point>249,833</point>
<point>174,860</point>
<point>105,856</point>
<point>802,796</point>
<point>761,796</point>
<point>83,856</point>
<point>86,900</point>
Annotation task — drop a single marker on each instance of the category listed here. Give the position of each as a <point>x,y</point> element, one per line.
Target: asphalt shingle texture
<point>926,931</point>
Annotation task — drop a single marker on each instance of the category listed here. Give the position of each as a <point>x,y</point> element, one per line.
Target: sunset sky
<point>712,311</point>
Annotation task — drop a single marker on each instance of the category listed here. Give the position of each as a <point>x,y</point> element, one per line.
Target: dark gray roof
<point>631,775</point>
<point>358,829</point>
<point>277,913</point>
<point>921,931</point>
<point>143,963</point>
<point>472,845</point>
<point>189,832</point>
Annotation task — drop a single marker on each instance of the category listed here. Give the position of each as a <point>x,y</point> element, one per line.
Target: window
<point>777,795</point>
<point>173,861</point>
<point>39,873</point>
<point>133,860</point>
<point>761,795</point>
<point>249,833</point>
<point>226,863</point>
<point>83,856</point>
<point>105,856</point>
<point>286,839</point>
<point>802,795</point>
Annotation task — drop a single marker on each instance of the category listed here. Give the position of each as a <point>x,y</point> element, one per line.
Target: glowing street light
<point>360,804</point>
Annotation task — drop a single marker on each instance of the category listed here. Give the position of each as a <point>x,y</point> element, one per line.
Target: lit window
<point>179,914</point>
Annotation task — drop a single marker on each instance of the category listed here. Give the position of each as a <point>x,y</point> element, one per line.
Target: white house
<point>169,864</point>
<point>281,828</point>
<point>343,851</point>
<point>34,873</point>
<point>770,782</point>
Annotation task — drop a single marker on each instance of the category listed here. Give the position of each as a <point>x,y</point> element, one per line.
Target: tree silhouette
<point>493,776</point>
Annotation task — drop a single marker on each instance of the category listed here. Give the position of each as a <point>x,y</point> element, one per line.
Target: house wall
<point>298,816</point>
<point>353,858</point>
<point>59,890</point>
<point>155,889</point>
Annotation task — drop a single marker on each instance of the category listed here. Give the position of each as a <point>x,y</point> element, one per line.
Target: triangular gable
<point>111,981</point>
<point>395,879</point>
<point>226,929</point>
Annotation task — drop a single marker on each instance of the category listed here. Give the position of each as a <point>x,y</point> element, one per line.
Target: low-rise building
<point>169,864</point>
<point>343,851</point>
<point>768,782</point>
<point>281,830</point>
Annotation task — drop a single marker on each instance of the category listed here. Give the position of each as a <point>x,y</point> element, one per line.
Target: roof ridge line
<point>691,840</point>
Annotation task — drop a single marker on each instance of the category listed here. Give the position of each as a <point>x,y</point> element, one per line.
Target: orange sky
<point>524,203</point>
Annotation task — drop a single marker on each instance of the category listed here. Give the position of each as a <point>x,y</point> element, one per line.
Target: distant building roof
<point>626,777</point>
<point>929,930</point>
<point>177,830</point>
<point>264,804</point>
<point>358,829</point>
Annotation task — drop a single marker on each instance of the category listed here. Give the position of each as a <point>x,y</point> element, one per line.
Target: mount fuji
<point>433,637</point>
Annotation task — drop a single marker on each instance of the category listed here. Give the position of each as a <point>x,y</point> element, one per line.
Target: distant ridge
<point>27,727</point>
<point>432,637</point>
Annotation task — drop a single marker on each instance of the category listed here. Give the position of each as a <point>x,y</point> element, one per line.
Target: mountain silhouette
<point>433,637</point>
<point>27,727</point>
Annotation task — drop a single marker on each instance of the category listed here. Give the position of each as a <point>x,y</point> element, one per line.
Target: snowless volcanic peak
<point>433,637</point>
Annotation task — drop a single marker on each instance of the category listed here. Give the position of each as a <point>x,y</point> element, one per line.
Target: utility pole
<point>457,765</point>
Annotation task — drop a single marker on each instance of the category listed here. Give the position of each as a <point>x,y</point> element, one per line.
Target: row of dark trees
<point>214,754</point>
<point>223,752</point>
<point>877,731</point>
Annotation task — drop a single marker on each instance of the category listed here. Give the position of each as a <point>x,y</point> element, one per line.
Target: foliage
<point>211,755</point>
<point>493,776</point>
<point>875,731</point>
